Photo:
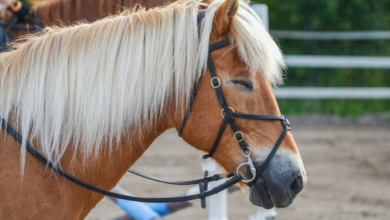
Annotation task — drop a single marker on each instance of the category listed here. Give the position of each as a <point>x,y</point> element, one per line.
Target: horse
<point>93,97</point>
<point>59,12</point>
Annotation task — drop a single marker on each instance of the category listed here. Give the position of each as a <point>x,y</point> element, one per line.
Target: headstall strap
<point>228,115</point>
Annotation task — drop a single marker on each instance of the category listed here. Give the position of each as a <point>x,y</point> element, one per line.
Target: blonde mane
<point>91,83</point>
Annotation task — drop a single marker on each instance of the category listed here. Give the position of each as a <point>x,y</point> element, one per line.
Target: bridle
<point>5,28</point>
<point>228,115</point>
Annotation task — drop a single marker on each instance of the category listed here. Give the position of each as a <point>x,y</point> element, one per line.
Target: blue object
<point>137,210</point>
<point>161,208</point>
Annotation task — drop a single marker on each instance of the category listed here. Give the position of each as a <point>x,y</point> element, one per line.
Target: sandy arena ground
<point>348,176</point>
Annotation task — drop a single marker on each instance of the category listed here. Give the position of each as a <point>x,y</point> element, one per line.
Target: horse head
<point>245,70</point>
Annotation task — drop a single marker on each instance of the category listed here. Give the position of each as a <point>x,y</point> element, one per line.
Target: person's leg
<point>160,208</point>
<point>136,210</point>
<point>168,208</point>
<point>123,217</point>
<point>163,209</point>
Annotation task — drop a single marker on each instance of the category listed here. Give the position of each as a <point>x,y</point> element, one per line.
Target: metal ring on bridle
<point>250,164</point>
<point>248,154</point>
<point>252,171</point>
<point>223,111</point>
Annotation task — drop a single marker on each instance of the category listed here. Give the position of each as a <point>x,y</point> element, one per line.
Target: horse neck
<point>107,169</point>
<point>58,12</point>
<point>104,171</point>
<point>67,200</point>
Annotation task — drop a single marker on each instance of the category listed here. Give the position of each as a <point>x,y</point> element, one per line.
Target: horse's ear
<point>209,1</point>
<point>224,16</point>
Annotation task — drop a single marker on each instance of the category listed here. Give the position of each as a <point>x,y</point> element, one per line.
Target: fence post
<point>217,204</point>
<point>262,11</point>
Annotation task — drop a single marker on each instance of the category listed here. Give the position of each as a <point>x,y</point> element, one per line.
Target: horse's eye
<point>243,84</point>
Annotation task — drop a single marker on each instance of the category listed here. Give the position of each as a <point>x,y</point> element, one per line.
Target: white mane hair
<point>91,83</point>
<point>253,42</point>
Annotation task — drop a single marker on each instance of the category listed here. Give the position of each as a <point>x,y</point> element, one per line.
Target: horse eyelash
<point>243,84</point>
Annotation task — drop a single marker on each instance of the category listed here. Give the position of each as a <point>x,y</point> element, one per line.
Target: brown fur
<point>59,12</point>
<point>40,194</point>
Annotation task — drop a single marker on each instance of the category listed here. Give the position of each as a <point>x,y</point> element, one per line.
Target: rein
<point>202,182</point>
<point>228,115</point>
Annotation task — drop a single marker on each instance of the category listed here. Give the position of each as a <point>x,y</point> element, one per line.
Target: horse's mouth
<point>260,196</point>
<point>276,187</point>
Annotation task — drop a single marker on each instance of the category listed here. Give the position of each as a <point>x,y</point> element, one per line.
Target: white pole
<point>264,214</point>
<point>262,11</point>
<point>217,204</point>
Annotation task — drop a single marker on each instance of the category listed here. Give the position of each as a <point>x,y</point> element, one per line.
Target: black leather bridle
<point>5,28</point>
<point>228,115</point>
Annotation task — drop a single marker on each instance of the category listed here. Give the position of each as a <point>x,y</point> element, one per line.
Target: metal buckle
<point>223,111</point>
<point>235,136</point>
<point>286,122</point>
<point>212,82</point>
<point>250,164</point>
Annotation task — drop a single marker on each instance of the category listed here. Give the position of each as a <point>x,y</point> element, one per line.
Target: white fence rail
<point>262,11</point>
<point>331,35</point>
<point>313,61</point>
<point>316,61</point>
<point>331,93</point>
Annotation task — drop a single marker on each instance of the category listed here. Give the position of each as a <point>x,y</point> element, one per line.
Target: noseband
<point>228,115</point>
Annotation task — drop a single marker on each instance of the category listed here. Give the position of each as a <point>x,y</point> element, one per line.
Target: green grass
<point>333,107</point>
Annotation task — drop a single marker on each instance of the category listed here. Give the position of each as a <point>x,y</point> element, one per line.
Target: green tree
<point>333,15</point>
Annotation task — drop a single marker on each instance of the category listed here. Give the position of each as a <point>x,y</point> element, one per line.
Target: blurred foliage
<point>328,15</point>
<point>335,107</point>
<point>333,15</point>
<point>27,1</point>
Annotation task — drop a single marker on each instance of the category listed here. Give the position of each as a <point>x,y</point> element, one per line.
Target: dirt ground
<point>348,170</point>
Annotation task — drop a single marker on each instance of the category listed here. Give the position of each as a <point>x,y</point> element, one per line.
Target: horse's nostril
<point>296,186</point>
